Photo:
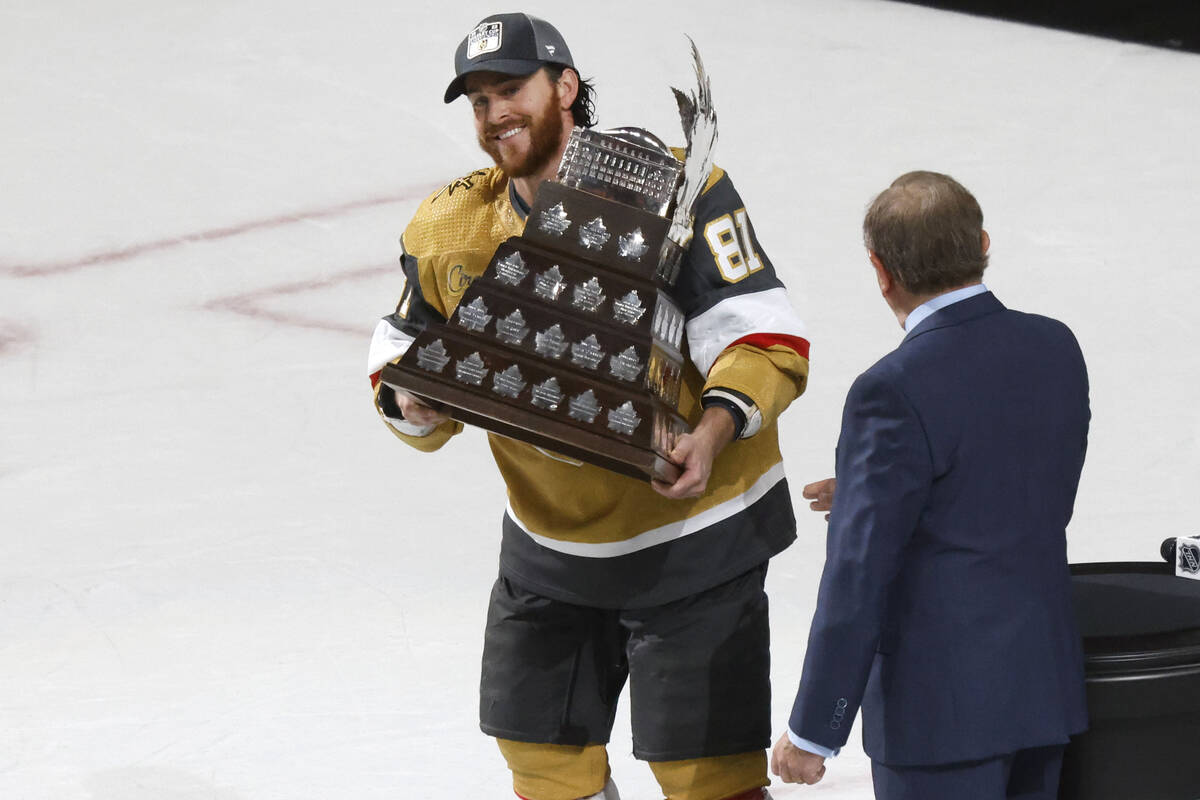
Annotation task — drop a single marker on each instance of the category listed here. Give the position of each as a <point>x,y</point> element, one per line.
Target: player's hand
<point>696,452</point>
<point>418,412</point>
<point>793,765</point>
<point>821,494</point>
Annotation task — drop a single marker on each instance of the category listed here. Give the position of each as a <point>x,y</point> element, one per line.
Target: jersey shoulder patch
<point>481,182</point>
<point>465,204</point>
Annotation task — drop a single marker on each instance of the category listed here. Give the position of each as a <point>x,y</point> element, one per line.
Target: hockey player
<point>601,578</point>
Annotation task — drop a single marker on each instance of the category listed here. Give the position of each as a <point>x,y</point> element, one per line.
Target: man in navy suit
<point>944,610</point>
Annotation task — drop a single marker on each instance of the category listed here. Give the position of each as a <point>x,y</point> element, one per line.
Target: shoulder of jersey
<point>459,201</point>
<point>478,187</point>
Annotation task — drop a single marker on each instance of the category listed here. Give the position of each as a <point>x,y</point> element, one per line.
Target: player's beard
<point>545,137</point>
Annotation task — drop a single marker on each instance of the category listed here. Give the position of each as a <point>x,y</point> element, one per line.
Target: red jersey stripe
<point>767,340</point>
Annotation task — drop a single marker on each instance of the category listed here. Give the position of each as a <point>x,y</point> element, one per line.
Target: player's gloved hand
<point>696,451</point>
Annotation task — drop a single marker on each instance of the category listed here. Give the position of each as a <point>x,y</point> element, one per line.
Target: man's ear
<point>567,87</point>
<point>986,241</point>
<point>881,274</point>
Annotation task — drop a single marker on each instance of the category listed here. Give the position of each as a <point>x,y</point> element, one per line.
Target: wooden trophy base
<point>533,428</point>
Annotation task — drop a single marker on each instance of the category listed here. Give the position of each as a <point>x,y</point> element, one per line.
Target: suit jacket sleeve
<point>884,474</point>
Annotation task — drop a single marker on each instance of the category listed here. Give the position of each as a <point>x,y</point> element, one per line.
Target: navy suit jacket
<point>944,610</point>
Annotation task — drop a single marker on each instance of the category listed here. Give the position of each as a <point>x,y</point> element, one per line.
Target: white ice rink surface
<point>222,579</point>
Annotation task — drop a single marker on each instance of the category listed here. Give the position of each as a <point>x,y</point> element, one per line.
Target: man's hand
<point>417,412</point>
<point>696,451</point>
<point>794,765</point>
<point>821,494</point>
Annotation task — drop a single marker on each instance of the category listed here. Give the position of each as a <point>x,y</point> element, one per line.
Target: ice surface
<point>222,578</point>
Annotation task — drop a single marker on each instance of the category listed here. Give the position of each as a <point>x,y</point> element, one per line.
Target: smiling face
<point>521,121</point>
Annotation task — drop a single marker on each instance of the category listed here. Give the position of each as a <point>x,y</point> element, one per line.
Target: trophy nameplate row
<point>570,340</point>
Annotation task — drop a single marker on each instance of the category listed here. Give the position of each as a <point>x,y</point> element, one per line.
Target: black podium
<point>1141,639</point>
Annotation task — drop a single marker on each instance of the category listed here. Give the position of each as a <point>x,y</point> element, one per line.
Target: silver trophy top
<point>629,165</point>
<point>633,166</point>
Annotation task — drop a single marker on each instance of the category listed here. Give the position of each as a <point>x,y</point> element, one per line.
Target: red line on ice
<point>135,250</point>
<point>247,304</point>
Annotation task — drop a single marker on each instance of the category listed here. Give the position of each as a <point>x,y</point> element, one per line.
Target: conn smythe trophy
<point>570,340</point>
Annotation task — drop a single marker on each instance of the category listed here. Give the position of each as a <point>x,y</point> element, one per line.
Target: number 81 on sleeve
<point>728,238</point>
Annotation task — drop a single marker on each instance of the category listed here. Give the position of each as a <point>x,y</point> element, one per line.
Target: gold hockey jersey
<point>583,534</point>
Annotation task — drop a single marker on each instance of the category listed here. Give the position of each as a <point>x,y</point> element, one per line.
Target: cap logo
<point>550,49</point>
<point>486,38</point>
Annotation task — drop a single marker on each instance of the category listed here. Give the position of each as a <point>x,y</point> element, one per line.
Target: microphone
<point>1169,547</point>
<point>1167,550</point>
<point>1183,553</point>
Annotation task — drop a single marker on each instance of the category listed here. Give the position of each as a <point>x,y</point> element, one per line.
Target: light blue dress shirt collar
<point>941,301</point>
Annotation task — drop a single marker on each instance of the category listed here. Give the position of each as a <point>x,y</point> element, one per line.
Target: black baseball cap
<point>513,44</point>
